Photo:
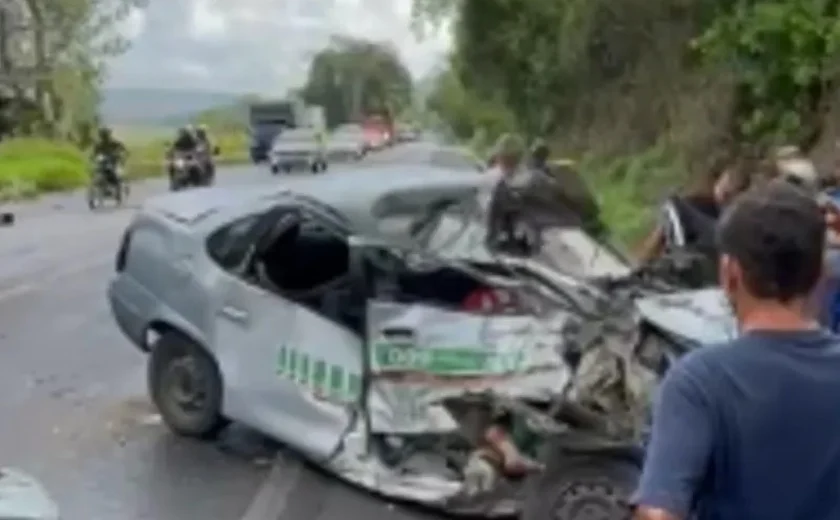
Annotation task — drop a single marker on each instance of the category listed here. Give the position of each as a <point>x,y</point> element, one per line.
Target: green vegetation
<point>643,94</point>
<point>146,158</point>
<point>352,77</point>
<point>30,166</point>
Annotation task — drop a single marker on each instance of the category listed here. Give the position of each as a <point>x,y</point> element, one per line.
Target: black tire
<point>275,169</point>
<point>174,360</point>
<point>582,486</point>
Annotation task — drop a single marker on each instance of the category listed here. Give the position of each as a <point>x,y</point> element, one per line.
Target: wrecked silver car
<point>464,375</point>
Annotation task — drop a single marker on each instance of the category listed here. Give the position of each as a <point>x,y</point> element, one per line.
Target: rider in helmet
<point>206,146</point>
<point>185,140</point>
<point>113,150</point>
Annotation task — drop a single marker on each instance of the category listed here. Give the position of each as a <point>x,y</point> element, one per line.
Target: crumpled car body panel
<point>700,317</point>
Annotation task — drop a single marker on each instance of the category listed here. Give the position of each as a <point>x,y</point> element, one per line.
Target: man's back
<point>773,400</point>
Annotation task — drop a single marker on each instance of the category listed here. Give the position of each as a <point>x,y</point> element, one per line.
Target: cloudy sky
<point>256,45</point>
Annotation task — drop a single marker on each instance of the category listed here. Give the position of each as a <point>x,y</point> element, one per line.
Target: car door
<point>251,326</point>
<point>323,355</point>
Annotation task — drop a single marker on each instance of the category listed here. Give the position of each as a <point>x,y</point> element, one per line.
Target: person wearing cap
<point>794,167</point>
<point>504,204</point>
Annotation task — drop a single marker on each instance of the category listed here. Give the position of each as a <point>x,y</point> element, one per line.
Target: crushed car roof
<point>361,195</point>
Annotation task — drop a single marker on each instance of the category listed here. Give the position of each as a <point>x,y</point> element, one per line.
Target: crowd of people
<point>750,429</point>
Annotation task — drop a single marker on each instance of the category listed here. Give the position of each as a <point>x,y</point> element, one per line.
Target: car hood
<point>700,317</point>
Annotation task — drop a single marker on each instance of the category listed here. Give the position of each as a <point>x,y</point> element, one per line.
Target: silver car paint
<point>260,340</point>
<point>23,498</point>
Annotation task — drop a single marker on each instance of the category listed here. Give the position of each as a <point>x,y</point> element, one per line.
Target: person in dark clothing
<point>185,141</point>
<point>205,145</point>
<point>113,150</point>
<point>108,145</point>
<point>687,221</point>
<point>749,430</point>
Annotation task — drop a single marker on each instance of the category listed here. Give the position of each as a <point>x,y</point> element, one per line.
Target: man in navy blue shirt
<point>750,430</point>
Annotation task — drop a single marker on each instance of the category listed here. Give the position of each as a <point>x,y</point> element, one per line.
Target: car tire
<point>582,486</point>
<point>175,363</point>
<point>274,169</point>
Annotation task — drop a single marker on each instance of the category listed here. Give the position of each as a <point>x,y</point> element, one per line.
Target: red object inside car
<point>488,301</point>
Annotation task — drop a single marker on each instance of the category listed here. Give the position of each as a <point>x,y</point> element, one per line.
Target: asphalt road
<point>74,408</point>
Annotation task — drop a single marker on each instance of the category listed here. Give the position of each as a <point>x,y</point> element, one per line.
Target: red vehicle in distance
<point>378,131</point>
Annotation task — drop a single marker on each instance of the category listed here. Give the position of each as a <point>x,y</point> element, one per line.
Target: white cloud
<point>133,25</point>
<point>260,45</point>
<point>207,21</point>
<point>195,70</point>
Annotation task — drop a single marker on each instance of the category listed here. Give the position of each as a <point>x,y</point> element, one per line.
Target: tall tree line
<point>351,78</point>
<point>52,59</point>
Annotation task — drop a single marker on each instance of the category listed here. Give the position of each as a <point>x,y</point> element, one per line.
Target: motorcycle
<point>106,183</point>
<point>206,156</point>
<point>186,170</point>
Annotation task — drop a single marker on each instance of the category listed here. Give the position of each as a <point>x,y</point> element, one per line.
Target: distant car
<point>303,313</point>
<point>299,148</point>
<point>347,142</point>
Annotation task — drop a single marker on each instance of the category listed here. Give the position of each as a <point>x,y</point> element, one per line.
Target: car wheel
<point>275,169</point>
<point>186,387</point>
<point>582,487</point>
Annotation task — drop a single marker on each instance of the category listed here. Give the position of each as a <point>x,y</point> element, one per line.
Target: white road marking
<point>271,499</point>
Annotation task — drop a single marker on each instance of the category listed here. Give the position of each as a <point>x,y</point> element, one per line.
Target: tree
<point>354,77</point>
<point>67,44</point>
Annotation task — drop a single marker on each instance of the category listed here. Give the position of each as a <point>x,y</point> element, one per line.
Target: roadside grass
<point>148,158</point>
<point>32,166</point>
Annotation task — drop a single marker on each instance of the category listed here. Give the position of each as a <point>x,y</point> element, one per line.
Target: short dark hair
<point>777,234</point>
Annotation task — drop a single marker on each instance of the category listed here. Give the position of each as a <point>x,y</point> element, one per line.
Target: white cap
<point>802,170</point>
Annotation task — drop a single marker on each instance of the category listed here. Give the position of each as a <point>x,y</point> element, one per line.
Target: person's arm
<point>679,449</point>
<point>652,246</point>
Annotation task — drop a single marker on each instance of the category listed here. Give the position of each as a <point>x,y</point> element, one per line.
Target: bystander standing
<point>749,430</point>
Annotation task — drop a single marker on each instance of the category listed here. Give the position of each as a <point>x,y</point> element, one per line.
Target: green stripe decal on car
<point>327,381</point>
<point>444,361</point>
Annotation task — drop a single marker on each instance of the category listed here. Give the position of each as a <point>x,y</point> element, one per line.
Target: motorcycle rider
<point>205,146</point>
<point>185,142</point>
<point>113,150</point>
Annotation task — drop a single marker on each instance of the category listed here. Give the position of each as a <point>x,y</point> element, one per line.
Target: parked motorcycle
<point>106,182</point>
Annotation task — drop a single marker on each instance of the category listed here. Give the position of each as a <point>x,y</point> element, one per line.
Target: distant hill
<point>159,107</point>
